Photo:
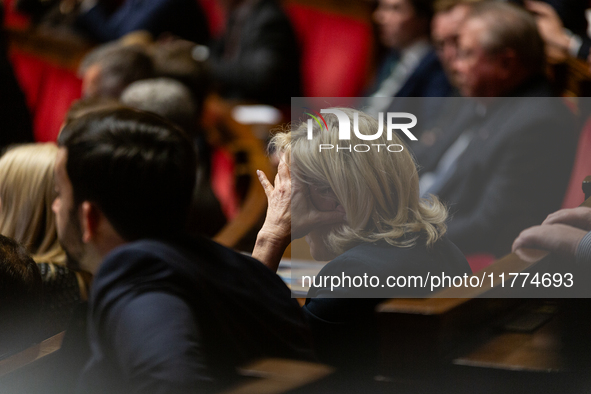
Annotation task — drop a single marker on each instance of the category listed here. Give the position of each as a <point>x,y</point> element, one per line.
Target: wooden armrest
<point>276,375</point>
<point>31,354</point>
<point>254,206</point>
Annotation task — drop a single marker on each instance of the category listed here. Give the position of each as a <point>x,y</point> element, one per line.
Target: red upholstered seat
<point>216,18</point>
<point>582,167</point>
<point>222,182</point>
<point>49,91</point>
<point>13,18</point>
<point>478,262</point>
<point>336,51</point>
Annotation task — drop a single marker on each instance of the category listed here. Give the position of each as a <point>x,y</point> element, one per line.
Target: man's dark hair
<point>138,168</point>
<point>120,65</point>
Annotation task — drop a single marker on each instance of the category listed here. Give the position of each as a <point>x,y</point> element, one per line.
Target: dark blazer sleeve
<point>427,80</point>
<point>167,357</point>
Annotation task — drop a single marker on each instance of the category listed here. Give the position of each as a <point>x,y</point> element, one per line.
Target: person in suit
<point>495,162</point>
<point>167,312</point>
<point>444,32</point>
<point>360,210</point>
<point>412,68</point>
<point>181,18</point>
<point>258,57</point>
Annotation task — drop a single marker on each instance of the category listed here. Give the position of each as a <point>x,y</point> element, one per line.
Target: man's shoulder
<point>190,256</point>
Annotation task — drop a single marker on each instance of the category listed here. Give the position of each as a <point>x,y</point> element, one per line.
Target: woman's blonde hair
<point>26,195</point>
<point>379,190</point>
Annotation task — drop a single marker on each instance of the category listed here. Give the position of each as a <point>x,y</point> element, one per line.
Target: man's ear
<point>90,220</point>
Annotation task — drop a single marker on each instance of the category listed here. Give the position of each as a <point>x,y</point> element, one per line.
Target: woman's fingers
<point>267,186</point>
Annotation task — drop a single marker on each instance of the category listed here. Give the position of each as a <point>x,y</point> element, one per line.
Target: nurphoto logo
<point>345,130</point>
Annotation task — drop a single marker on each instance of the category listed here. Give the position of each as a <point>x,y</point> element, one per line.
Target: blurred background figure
<point>173,101</point>
<point>26,195</point>
<point>108,69</point>
<point>411,68</point>
<point>258,58</point>
<point>449,16</point>
<point>20,298</point>
<point>492,159</point>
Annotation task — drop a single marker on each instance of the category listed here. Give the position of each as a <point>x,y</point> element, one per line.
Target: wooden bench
<point>467,327</point>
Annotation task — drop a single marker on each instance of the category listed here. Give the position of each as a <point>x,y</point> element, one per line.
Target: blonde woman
<point>358,207</point>
<point>26,195</point>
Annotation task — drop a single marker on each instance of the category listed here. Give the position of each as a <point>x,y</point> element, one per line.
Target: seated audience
<point>108,69</point>
<point>26,195</point>
<point>411,68</point>
<point>173,101</point>
<point>496,156</point>
<point>167,313</point>
<point>258,57</point>
<point>362,211</point>
<point>20,298</point>
<point>181,18</point>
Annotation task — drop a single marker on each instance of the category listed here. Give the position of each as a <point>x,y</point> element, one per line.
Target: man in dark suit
<point>504,163</point>
<point>412,68</point>
<point>258,57</point>
<point>167,313</point>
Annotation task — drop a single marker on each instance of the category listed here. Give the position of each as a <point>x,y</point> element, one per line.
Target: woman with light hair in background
<point>26,196</point>
<point>360,209</point>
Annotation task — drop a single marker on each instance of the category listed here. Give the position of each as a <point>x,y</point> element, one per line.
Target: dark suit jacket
<point>263,63</point>
<point>342,320</point>
<point>513,173</point>
<point>422,92</point>
<point>183,18</point>
<point>427,80</point>
<point>180,317</point>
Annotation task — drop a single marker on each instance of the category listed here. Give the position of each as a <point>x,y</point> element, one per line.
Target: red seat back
<point>49,91</point>
<point>336,51</point>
